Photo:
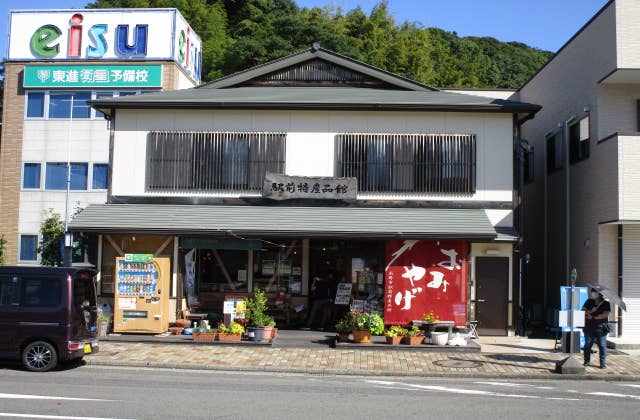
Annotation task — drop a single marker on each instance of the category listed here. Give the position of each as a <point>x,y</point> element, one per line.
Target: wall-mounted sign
<point>283,187</point>
<point>88,76</point>
<point>104,34</point>
<point>138,258</point>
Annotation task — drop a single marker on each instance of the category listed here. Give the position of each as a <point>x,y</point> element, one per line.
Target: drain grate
<point>457,363</point>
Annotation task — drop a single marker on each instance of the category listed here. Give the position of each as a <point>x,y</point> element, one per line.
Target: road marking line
<point>631,385</point>
<point>43,416</point>
<point>611,394</point>
<point>514,385</point>
<point>400,385</point>
<point>46,397</point>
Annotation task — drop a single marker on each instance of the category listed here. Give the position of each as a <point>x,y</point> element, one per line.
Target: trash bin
<point>566,338</point>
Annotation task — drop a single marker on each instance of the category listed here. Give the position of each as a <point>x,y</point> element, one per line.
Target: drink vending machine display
<point>141,301</point>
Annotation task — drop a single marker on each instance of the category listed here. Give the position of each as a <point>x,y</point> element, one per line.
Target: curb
<point>374,373</point>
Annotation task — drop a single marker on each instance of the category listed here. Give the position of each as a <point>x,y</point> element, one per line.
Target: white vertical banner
<point>190,277</point>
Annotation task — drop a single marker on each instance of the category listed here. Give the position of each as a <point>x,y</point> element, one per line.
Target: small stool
<point>473,333</point>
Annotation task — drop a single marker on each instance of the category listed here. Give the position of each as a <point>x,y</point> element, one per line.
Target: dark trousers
<point>318,305</point>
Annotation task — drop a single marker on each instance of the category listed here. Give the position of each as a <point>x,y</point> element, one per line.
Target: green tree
<point>52,233</point>
<point>238,34</point>
<point>3,245</point>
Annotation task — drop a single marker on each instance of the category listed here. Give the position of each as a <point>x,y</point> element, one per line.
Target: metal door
<point>492,279</point>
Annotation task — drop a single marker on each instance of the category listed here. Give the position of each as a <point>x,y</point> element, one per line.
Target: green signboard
<point>92,76</point>
<point>138,258</point>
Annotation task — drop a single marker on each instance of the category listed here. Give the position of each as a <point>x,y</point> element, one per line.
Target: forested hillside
<point>238,34</point>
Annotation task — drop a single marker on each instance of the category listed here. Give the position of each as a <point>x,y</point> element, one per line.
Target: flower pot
<point>102,328</point>
<point>260,333</point>
<point>343,337</point>
<point>439,338</point>
<point>204,336</point>
<point>361,336</point>
<point>394,340</point>
<point>274,332</point>
<point>229,337</point>
<point>184,323</point>
<point>413,341</point>
<point>176,330</point>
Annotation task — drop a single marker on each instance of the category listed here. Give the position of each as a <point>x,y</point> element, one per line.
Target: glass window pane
<point>80,107</point>
<point>31,175</point>
<point>79,173</point>
<point>59,105</point>
<point>35,104</point>
<point>56,176</point>
<point>28,247</point>
<point>102,95</point>
<point>41,291</point>
<point>127,93</point>
<point>100,176</point>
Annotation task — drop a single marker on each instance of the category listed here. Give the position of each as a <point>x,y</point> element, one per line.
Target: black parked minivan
<point>47,315</point>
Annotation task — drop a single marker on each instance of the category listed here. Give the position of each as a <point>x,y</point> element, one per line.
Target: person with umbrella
<point>596,326</point>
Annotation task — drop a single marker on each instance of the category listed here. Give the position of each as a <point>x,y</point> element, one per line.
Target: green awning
<point>236,222</point>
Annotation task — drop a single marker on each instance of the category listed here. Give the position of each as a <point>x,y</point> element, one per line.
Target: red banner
<point>424,276</point>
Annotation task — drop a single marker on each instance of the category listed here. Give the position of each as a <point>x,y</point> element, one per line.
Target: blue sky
<point>544,24</point>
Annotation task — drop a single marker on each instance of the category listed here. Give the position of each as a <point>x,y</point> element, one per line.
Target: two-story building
<point>582,189</point>
<point>319,165</point>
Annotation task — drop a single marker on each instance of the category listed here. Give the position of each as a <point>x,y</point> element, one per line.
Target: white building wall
<point>628,36</point>
<point>310,142</point>
<point>629,177</point>
<point>56,141</point>
<point>631,282</point>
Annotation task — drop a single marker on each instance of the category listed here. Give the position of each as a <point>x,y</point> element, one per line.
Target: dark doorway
<point>492,279</point>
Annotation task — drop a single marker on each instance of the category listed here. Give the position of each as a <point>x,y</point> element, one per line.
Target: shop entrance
<point>492,279</point>
<point>359,263</point>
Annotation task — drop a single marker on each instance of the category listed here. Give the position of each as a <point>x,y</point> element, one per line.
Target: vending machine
<point>141,301</point>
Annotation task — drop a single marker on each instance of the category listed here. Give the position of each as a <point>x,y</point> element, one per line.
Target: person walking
<point>596,326</point>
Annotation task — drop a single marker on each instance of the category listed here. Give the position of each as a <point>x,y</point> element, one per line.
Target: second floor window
<point>212,161</point>
<point>412,163</point>
<point>579,140</point>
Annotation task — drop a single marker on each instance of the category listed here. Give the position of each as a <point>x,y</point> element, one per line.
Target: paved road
<point>88,392</point>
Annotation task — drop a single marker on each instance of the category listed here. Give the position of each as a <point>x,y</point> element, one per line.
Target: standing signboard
<point>424,276</point>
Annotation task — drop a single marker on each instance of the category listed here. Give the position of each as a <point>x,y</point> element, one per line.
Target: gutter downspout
<point>620,274</point>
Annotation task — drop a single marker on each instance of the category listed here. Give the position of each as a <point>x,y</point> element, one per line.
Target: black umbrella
<point>609,294</point>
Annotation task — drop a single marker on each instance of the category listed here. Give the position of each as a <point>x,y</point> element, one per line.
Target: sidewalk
<point>504,357</point>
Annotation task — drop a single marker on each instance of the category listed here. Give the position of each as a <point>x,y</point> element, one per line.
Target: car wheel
<point>39,356</point>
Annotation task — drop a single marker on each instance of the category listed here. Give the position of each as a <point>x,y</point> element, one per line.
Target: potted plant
<point>231,333</point>
<point>103,324</point>
<point>261,324</point>
<point>430,319</point>
<point>365,325</point>
<point>394,334</point>
<point>344,327</point>
<point>413,336</point>
<point>204,333</point>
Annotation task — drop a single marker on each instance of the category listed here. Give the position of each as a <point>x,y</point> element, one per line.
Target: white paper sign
<point>127,303</point>
<point>578,318</point>
<point>229,307</point>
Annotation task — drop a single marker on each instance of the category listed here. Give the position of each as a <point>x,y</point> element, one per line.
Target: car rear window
<point>41,291</point>
<point>84,293</point>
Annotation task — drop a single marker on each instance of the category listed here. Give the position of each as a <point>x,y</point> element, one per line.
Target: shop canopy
<point>283,221</point>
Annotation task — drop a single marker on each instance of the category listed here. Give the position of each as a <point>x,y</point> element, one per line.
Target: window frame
<point>37,254</point>
<point>86,178</point>
<point>579,146</point>
<point>40,176</point>
<point>529,165</point>
<point>415,164</point>
<point>93,166</point>
<point>557,136</point>
<point>93,113</point>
